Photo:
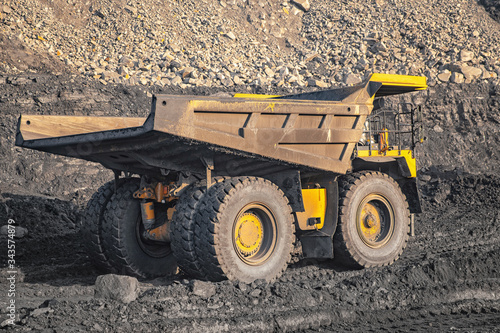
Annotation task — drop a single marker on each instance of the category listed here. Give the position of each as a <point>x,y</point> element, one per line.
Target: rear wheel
<point>374,220</point>
<point>129,252</point>
<point>92,227</point>
<point>182,228</point>
<point>244,230</point>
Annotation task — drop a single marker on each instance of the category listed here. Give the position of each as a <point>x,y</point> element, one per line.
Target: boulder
<point>120,288</point>
<point>444,76</point>
<point>471,73</point>
<point>352,79</point>
<point>466,55</point>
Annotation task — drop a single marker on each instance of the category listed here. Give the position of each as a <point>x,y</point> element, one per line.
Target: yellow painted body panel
<point>406,154</point>
<point>410,82</point>
<point>418,82</point>
<point>315,207</point>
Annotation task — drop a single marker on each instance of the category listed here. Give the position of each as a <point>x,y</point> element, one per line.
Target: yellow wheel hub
<point>370,222</point>
<point>375,221</point>
<point>248,234</point>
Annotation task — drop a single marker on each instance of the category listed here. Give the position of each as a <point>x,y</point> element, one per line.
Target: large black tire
<point>374,220</point>
<point>244,231</point>
<point>128,253</point>
<point>182,229</point>
<point>92,227</point>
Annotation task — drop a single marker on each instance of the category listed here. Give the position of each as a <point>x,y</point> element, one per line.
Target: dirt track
<point>447,280</point>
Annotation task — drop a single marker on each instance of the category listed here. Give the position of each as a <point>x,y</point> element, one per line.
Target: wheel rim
<point>254,234</point>
<point>375,220</point>
<point>151,248</point>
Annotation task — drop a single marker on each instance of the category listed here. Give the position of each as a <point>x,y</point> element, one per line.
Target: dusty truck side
<point>225,187</point>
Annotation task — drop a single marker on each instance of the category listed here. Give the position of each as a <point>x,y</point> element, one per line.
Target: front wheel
<point>244,230</point>
<point>374,220</point>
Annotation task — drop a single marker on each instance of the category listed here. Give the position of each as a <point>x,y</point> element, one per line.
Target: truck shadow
<point>51,251</point>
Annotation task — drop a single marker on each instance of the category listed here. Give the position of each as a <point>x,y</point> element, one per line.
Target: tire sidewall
<point>269,196</point>
<point>138,261</point>
<point>391,250</point>
<point>182,230</point>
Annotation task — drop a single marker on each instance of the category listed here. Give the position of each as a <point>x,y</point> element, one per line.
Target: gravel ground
<point>447,280</point>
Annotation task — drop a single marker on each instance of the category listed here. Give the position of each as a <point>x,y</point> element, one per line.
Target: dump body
<point>312,131</point>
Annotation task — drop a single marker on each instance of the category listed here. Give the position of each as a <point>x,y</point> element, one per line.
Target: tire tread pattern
<point>115,213</point>
<point>183,228</point>
<point>92,221</point>
<point>213,258</point>
<point>344,252</point>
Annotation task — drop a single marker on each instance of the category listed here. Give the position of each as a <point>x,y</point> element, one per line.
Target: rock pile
<point>240,44</point>
<point>441,40</point>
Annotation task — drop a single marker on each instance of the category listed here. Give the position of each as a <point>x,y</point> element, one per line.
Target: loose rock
<point>203,289</point>
<point>352,79</point>
<point>255,292</point>
<point>437,129</point>
<point>444,76</point>
<point>327,41</point>
<point>40,311</point>
<point>231,35</point>
<point>471,73</point>
<point>457,77</point>
<point>116,287</point>
<point>466,55</point>
<point>6,9</point>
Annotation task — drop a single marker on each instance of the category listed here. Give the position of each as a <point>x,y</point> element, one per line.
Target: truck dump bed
<point>248,135</point>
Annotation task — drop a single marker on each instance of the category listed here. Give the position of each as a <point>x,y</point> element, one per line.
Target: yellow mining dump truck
<point>225,187</point>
